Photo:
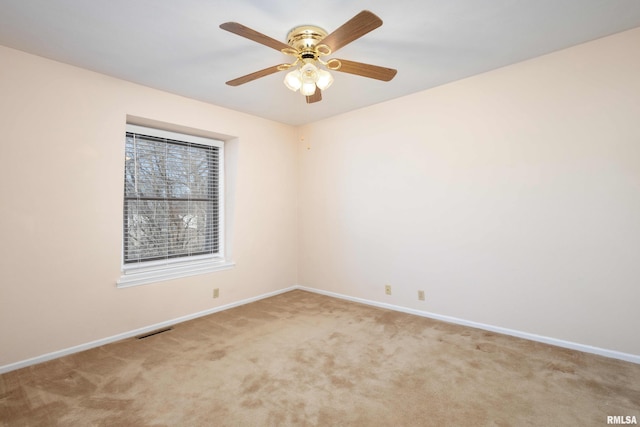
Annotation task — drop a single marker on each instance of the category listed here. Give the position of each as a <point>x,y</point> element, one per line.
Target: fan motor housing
<point>305,38</point>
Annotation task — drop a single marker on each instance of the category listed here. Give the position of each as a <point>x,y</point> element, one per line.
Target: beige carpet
<point>301,359</point>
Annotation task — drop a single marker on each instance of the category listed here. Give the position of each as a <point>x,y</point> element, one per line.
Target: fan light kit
<point>305,48</point>
<point>308,44</point>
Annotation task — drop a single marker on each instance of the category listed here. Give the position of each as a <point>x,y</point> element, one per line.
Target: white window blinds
<point>172,196</point>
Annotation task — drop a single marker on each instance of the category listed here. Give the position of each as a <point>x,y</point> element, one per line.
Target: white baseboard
<point>532,337</point>
<point>133,333</point>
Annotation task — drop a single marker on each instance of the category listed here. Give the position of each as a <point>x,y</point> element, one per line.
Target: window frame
<point>145,272</point>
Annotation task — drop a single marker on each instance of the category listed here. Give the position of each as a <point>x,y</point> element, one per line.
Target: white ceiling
<point>178,47</point>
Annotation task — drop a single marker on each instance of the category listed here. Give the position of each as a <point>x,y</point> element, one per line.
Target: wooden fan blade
<point>246,32</point>
<point>367,70</point>
<point>316,97</point>
<point>253,76</point>
<point>351,30</point>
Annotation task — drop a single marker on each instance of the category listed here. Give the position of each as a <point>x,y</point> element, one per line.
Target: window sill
<point>145,274</point>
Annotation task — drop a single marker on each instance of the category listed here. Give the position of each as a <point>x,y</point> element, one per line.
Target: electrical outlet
<point>216,293</point>
<point>421,295</point>
<point>387,289</point>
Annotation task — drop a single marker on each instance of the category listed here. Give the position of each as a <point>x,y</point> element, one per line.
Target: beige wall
<point>512,198</point>
<point>61,183</point>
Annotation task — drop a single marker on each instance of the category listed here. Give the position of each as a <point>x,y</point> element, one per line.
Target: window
<point>173,206</point>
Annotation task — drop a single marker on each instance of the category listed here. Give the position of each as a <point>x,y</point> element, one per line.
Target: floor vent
<point>152,333</point>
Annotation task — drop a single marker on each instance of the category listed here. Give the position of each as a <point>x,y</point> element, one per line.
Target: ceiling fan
<point>308,45</point>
